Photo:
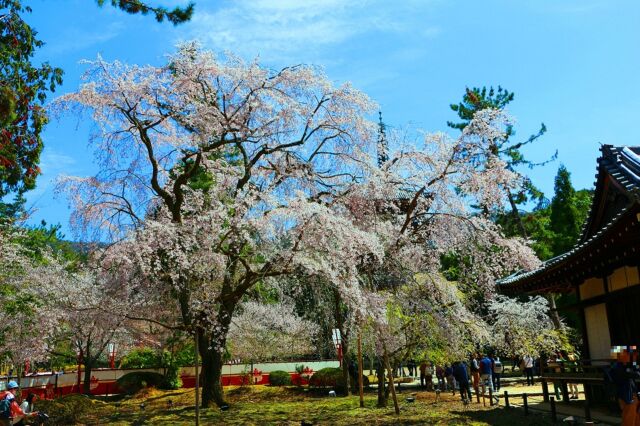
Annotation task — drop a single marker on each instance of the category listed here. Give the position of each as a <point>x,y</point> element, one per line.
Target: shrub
<point>141,358</point>
<point>68,410</point>
<point>327,378</point>
<point>279,378</point>
<point>354,382</point>
<point>132,382</point>
<point>171,371</point>
<point>171,379</point>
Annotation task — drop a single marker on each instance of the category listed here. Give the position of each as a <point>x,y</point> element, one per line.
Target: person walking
<point>497,373</point>
<point>440,377</point>
<point>527,363</point>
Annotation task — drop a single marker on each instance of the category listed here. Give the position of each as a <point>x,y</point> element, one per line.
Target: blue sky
<point>573,64</point>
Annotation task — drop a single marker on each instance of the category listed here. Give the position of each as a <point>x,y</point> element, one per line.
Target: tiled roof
<point>520,275</point>
<point>623,165</point>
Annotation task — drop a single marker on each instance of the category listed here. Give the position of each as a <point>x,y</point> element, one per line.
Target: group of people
<point>480,372</point>
<point>12,412</point>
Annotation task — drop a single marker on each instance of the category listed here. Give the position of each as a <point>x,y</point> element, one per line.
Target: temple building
<point>601,270</point>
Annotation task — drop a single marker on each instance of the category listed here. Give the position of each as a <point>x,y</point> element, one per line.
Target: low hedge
<point>67,410</point>
<point>327,378</point>
<point>131,383</point>
<point>354,382</point>
<point>279,378</point>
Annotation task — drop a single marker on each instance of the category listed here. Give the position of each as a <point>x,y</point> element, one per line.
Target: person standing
<point>413,371</point>
<point>423,374</point>
<point>451,381</point>
<point>527,362</point>
<point>475,375</point>
<point>626,392</point>
<point>573,365</point>
<point>429,376</point>
<point>485,374</point>
<point>462,378</point>
<point>497,373</point>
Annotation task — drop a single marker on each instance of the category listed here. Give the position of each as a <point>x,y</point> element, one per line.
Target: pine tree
<point>177,15</point>
<point>477,99</point>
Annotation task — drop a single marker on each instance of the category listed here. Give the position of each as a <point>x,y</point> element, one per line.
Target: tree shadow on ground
<point>505,417</point>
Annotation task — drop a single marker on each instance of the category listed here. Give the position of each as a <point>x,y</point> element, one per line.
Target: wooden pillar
<point>197,386</point>
<point>360,369</point>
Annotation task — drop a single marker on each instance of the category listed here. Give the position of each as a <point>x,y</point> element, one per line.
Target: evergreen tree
<point>177,15</point>
<point>23,89</point>
<point>565,218</point>
<point>477,99</point>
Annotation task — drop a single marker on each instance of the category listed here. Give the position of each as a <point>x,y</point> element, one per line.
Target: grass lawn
<point>264,405</point>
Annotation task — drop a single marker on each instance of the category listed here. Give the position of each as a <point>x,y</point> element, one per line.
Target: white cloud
<point>295,30</point>
<point>72,38</point>
<point>52,164</point>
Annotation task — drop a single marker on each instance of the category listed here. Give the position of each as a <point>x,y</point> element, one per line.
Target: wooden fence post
<point>554,415</point>
<point>545,391</point>
<point>490,397</point>
<point>587,407</point>
<point>506,399</point>
<point>525,403</point>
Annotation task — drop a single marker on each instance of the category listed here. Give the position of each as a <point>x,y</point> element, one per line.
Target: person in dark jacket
<point>451,381</point>
<point>624,379</point>
<point>462,377</point>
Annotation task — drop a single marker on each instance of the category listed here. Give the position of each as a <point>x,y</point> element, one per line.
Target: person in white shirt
<point>527,361</point>
<point>26,407</point>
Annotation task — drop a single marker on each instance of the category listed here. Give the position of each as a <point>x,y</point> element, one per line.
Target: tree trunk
<point>344,335</point>
<point>346,362</point>
<point>211,374</point>
<point>86,385</point>
<point>382,395</point>
<point>516,215</point>
<point>211,347</point>
<point>553,312</point>
<point>360,368</point>
<point>391,385</point>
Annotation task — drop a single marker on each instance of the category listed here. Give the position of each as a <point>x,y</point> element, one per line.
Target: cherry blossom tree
<point>523,328</point>
<point>90,307</point>
<point>26,334</point>
<point>223,173</point>
<point>270,331</point>
<point>418,202</point>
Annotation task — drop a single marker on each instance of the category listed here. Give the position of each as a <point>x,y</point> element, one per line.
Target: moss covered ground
<point>264,405</point>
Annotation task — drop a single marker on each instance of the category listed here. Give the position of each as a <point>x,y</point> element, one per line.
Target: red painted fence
<point>104,380</point>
